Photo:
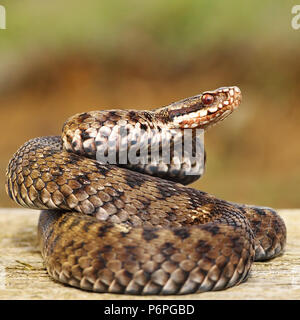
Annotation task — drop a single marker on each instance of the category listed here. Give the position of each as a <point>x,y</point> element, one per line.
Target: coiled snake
<point>109,228</point>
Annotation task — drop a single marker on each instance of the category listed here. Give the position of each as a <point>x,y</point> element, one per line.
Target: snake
<point>137,228</point>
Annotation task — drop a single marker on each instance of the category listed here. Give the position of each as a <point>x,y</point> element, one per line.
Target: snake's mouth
<point>207,109</point>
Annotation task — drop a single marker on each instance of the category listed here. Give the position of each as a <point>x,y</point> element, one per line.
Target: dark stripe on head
<point>182,111</point>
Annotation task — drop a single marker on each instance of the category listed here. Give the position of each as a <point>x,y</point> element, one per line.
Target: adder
<point>136,228</point>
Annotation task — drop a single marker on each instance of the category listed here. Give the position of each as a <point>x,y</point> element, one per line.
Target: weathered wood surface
<point>22,275</point>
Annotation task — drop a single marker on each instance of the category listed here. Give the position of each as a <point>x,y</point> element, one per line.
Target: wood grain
<point>22,275</point>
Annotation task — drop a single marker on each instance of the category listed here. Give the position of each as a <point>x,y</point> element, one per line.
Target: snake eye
<point>207,99</point>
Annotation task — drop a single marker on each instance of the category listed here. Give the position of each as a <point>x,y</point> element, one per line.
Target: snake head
<point>203,110</point>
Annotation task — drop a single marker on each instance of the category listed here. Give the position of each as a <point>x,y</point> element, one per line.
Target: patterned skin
<point>129,229</point>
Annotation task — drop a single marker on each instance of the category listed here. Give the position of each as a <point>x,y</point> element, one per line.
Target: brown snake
<point>107,228</point>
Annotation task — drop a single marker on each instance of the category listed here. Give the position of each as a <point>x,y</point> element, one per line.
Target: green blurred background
<point>59,58</point>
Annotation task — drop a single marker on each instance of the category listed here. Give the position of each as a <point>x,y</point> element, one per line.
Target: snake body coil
<point>134,229</point>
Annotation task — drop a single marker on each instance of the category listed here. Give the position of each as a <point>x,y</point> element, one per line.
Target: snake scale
<point>133,229</point>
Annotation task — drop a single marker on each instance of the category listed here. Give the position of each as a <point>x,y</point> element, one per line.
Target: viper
<point>134,227</point>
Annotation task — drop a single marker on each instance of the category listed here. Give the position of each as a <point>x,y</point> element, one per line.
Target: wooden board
<point>22,274</point>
